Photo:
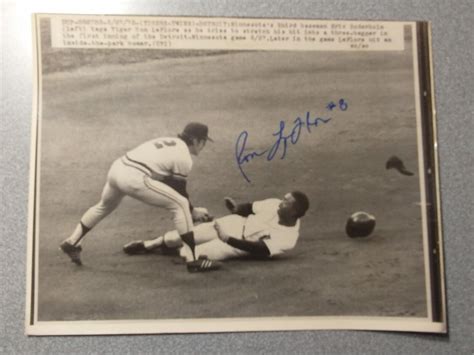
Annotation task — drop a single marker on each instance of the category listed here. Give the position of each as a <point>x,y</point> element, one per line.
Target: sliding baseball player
<point>263,228</point>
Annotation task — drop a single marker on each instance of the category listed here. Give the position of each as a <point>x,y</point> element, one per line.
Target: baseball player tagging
<point>155,173</point>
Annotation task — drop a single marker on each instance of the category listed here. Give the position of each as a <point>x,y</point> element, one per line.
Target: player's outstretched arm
<point>257,248</point>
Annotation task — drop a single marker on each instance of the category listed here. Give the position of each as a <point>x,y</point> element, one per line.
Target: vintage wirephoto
<point>193,174</point>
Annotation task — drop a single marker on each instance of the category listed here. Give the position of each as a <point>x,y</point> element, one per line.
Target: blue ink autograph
<point>282,140</point>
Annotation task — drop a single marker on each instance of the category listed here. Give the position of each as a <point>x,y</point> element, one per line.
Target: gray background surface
<point>453,45</point>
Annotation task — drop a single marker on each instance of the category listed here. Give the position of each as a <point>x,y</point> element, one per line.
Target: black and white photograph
<point>193,174</point>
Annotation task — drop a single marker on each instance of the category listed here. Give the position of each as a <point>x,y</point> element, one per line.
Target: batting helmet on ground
<point>360,224</point>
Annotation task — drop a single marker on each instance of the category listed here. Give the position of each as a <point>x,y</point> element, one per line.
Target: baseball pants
<point>126,178</point>
<point>208,242</point>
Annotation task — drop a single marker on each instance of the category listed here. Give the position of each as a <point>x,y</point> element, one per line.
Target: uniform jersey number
<point>166,143</point>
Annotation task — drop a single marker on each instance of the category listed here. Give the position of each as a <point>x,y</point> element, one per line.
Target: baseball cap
<point>197,130</point>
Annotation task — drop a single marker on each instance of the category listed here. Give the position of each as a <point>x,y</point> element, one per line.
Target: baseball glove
<point>230,204</point>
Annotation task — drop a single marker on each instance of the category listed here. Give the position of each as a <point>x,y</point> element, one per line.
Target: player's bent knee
<point>183,202</point>
<point>172,239</point>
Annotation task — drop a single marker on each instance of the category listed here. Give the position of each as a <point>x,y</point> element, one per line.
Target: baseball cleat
<point>203,264</point>
<point>73,251</point>
<point>135,247</point>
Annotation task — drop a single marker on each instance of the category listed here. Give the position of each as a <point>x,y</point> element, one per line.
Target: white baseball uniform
<point>262,225</point>
<point>147,173</point>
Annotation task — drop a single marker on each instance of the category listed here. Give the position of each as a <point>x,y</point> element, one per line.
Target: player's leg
<point>203,233</point>
<point>168,242</point>
<point>159,194</point>
<point>215,250</point>
<point>110,199</point>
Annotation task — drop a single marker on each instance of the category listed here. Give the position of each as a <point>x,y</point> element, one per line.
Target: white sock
<point>186,253</point>
<point>154,243</point>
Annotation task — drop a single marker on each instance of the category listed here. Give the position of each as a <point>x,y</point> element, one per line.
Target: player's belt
<point>126,160</point>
